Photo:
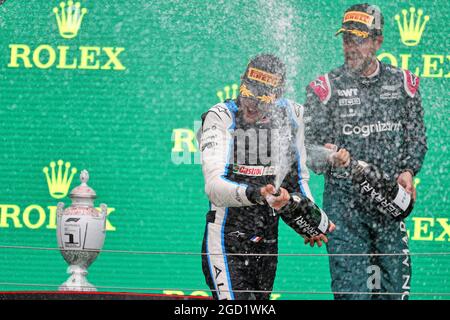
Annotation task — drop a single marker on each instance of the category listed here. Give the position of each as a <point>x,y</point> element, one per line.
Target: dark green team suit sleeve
<point>415,141</point>
<point>318,132</point>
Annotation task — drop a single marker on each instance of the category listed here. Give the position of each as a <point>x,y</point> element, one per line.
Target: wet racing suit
<point>238,222</point>
<point>378,119</point>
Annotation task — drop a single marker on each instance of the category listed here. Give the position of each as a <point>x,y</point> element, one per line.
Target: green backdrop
<point>123,94</point>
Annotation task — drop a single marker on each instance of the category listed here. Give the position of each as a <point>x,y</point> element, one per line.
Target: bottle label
<point>402,199</point>
<point>323,225</point>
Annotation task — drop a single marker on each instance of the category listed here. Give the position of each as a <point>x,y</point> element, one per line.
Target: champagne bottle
<point>304,216</point>
<point>379,189</point>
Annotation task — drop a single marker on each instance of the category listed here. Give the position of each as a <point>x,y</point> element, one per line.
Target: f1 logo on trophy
<point>80,234</point>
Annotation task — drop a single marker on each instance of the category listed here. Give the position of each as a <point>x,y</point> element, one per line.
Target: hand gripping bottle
<point>382,191</point>
<point>304,216</point>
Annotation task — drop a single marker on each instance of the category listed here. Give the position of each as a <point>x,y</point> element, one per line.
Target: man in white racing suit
<point>240,148</point>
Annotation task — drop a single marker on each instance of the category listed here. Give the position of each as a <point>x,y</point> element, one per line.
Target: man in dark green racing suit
<point>374,111</point>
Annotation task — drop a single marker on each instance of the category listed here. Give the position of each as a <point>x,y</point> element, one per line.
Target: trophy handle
<point>59,211</point>
<point>104,212</point>
<point>59,215</point>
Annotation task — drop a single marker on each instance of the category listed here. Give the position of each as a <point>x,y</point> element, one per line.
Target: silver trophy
<point>81,234</point>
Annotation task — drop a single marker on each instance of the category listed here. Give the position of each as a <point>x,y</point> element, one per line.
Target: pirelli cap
<point>362,20</point>
<point>264,78</point>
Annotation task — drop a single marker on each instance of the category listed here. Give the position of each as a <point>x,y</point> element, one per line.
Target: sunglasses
<point>248,95</point>
<point>355,37</point>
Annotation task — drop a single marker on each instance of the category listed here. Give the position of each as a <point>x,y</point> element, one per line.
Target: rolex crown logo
<point>411,32</point>
<point>69,18</point>
<point>59,182</point>
<point>229,92</point>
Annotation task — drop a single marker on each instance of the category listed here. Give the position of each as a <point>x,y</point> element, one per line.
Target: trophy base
<point>77,281</point>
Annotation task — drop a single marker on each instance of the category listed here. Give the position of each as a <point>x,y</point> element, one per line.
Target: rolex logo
<point>58,181</point>
<point>411,31</point>
<point>69,18</point>
<point>228,92</point>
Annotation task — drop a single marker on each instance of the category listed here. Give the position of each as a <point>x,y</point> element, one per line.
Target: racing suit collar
<point>376,72</point>
<point>280,106</point>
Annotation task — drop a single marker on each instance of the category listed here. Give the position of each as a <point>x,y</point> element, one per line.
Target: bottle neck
<point>353,162</point>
